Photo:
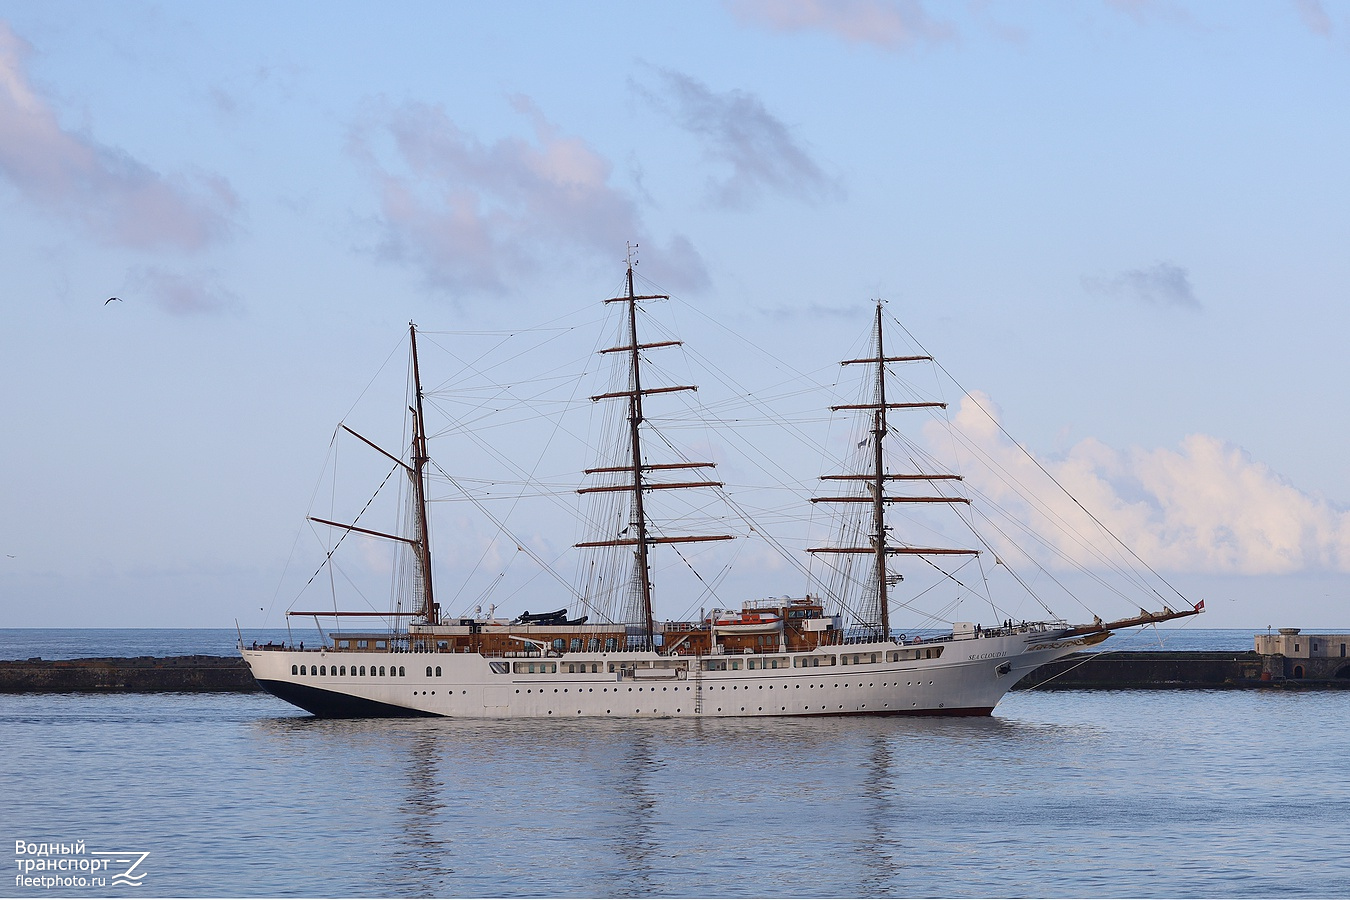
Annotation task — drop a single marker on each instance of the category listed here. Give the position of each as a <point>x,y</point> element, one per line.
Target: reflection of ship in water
<point>425,855</point>
<point>830,650</point>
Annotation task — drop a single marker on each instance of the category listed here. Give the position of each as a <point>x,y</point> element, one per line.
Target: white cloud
<point>738,132</point>
<point>1205,506</point>
<point>1165,284</point>
<point>177,293</point>
<point>114,197</point>
<point>468,214</point>
<point>889,24</point>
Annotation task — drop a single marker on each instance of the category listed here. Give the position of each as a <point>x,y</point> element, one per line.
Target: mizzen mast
<point>877,478</point>
<point>639,527</point>
<point>430,610</point>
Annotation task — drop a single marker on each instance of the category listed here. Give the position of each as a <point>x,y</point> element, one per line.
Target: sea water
<point>1074,793</point>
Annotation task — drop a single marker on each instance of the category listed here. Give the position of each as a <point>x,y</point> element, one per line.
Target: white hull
<point>969,677</point>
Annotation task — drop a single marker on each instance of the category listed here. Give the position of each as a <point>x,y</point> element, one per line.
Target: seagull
<point>111,299</point>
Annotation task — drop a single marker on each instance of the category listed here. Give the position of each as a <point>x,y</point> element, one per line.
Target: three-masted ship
<point>791,656</point>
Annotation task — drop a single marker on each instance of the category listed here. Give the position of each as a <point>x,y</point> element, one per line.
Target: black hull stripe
<point>333,705</point>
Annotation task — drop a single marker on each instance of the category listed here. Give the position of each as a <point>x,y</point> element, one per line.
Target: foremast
<point>878,618</point>
<point>635,466</point>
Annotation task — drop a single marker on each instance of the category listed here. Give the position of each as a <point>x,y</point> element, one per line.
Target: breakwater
<point>126,675</point>
<point>1149,670</point>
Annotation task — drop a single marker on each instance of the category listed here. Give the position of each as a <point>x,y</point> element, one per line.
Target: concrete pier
<point>1157,670</point>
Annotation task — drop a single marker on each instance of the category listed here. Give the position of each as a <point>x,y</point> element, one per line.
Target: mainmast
<point>876,481</point>
<point>635,468</point>
<point>430,610</point>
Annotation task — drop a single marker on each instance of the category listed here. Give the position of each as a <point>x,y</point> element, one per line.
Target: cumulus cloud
<point>1205,506</point>
<point>739,133</point>
<point>888,24</point>
<point>117,199</point>
<point>1165,284</point>
<point>467,213</point>
<point>179,294</point>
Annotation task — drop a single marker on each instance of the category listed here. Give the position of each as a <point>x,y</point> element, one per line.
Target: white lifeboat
<point>748,622</point>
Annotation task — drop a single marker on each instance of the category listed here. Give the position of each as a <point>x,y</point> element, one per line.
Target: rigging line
<point>346,532</point>
<point>1037,463</point>
<point>946,574</point>
<point>1018,578</point>
<point>519,543</point>
<point>473,366</point>
<point>1082,569</point>
<point>1120,567</point>
<point>1087,657</point>
<point>708,590</point>
<point>357,401</point>
<point>295,543</point>
<point>906,604</point>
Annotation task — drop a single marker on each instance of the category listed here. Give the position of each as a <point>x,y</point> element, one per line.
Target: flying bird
<point>111,299</point>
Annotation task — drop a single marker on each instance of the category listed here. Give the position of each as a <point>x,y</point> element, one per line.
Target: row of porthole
<point>321,671</point>
<point>723,687</point>
<point>719,709</point>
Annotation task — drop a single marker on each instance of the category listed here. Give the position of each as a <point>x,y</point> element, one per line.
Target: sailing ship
<point>815,654</point>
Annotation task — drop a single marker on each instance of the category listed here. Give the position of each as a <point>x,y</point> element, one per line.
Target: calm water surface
<point>1084,794</point>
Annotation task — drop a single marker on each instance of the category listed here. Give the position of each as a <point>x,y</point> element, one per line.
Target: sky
<point>1121,225</point>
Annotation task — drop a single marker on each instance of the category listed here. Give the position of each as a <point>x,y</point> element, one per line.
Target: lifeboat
<point>748,622</point>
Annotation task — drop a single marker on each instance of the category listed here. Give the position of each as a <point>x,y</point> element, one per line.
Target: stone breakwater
<point>133,675</point>
<point>1152,670</point>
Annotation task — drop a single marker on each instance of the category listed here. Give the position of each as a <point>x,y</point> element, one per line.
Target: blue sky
<point>1124,223</point>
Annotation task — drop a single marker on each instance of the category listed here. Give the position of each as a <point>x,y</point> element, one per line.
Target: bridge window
<point>574,645</point>
<point>361,645</point>
<point>611,644</point>
<point>559,644</point>
<point>593,645</point>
